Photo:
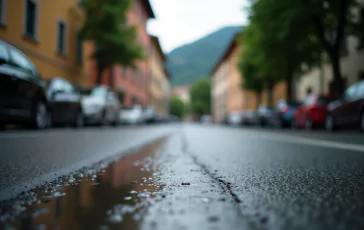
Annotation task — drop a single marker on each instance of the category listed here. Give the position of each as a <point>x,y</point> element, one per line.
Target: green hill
<point>195,60</point>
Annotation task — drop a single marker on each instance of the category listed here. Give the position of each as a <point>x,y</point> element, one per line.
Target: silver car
<point>133,115</point>
<point>100,106</point>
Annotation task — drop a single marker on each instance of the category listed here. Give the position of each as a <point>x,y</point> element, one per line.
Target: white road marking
<point>313,142</point>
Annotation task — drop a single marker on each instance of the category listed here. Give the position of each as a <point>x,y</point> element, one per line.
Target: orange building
<point>47,32</point>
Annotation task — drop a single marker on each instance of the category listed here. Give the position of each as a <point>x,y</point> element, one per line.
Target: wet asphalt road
<point>214,177</point>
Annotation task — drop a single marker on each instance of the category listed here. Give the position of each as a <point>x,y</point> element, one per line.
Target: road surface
<point>210,177</point>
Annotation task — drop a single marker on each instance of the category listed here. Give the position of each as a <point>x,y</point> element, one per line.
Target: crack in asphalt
<point>225,186</point>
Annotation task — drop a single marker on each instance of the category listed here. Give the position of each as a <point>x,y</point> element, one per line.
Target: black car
<point>65,103</point>
<point>23,97</point>
<point>263,113</point>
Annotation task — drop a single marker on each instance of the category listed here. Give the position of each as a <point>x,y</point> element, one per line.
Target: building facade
<point>182,92</point>
<point>352,65</point>
<point>226,86</point>
<point>131,84</point>
<point>47,32</point>
<point>226,93</point>
<point>159,80</point>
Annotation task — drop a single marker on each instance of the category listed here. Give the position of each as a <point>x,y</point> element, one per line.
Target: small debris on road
<point>213,218</point>
<point>186,183</point>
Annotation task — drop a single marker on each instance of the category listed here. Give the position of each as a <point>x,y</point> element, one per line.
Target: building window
<point>361,38</point>
<point>79,50</point>
<point>61,37</point>
<point>31,18</point>
<point>2,12</point>
<point>361,76</point>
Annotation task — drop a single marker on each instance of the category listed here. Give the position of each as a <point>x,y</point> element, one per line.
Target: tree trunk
<point>289,88</point>
<point>100,70</point>
<point>112,77</point>
<point>270,93</point>
<point>259,98</point>
<point>337,87</point>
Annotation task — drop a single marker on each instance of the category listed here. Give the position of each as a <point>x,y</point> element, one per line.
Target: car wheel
<point>308,124</point>
<point>79,122</point>
<point>362,121</point>
<point>103,120</point>
<point>329,124</point>
<point>116,121</point>
<point>41,116</point>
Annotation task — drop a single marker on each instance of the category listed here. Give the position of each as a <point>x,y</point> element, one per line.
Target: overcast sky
<point>182,21</point>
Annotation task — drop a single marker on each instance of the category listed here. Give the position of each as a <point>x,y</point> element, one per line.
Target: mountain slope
<point>195,60</point>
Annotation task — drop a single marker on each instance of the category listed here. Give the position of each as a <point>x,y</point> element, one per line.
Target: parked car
<point>348,111</point>
<point>283,113</point>
<point>100,106</point>
<point>312,113</point>
<point>264,112</point>
<point>234,118</point>
<point>206,119</point>
<point>65,103</point>
<point>23,98</point>
<point>150,116</point>
<point>249,117</point>
<point>132,115</point>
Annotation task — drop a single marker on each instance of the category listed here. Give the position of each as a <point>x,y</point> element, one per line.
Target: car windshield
<point>325,100</point>
<point>95,92</point>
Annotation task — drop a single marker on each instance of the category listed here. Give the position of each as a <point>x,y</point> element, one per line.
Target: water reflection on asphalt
<point>115,197</point>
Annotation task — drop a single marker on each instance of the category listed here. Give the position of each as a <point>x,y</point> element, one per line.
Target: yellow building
<point>47,32</point>
<point>159,85</point>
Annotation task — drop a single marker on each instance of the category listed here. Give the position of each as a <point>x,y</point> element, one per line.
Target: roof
<point>167,73</point>
<point>227,52</point>
<point>180,89</point>
<point>148,8</point>
<point>155,41</point>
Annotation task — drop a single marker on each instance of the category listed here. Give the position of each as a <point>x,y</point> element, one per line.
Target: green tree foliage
<point>177,107</point>
<point>200,96</point>
<point>285,35</point>
<point>250,72</point>
<point>105,24</point>
<point>333,22</point>
<point>277,40</point>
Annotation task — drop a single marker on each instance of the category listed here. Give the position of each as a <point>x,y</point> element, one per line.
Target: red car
<point>312,113</point>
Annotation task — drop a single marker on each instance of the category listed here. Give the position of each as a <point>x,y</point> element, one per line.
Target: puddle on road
<point>103,197</point>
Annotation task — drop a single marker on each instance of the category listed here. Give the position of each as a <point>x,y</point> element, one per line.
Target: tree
<point>105,25</point>
<point>251,80</point>
<point>277,35</point>
<point>200,96</point>
<point>333,21</point>
<point>177,107</point>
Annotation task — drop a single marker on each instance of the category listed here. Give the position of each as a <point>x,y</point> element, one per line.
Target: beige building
<point>226,93</point>
<point>352,66</point>
<point>183,92</point>
<point>159,85</point>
